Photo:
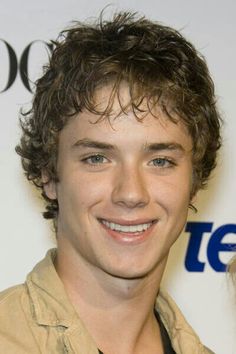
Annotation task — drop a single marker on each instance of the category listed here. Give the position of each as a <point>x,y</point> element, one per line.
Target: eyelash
<point>164,162</point>
<point>167,161</point>
<point>88,160</point>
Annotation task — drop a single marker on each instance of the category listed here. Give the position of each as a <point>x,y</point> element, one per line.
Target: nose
<point>130,188</point>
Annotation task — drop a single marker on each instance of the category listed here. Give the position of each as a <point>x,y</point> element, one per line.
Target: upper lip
<point>129,222</point>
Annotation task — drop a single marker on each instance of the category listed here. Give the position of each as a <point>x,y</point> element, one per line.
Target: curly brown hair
<point>232,268</point>
<point>156,62</point>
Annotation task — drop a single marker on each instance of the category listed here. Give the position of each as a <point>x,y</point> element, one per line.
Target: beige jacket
<point>38,318</point>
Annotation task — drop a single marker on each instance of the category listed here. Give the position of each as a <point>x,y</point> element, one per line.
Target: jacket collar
<point>183,337</point>
<point>51,305</point>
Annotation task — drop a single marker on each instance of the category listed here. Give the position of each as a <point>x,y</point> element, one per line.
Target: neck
<point>108,304</point>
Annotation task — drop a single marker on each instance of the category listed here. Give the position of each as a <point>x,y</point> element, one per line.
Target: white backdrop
<point>205,297</point>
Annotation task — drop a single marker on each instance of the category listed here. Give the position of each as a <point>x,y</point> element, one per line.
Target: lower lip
<point>129,238</point>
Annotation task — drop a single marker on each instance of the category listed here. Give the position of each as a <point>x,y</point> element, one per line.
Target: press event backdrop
<point>195,275</point>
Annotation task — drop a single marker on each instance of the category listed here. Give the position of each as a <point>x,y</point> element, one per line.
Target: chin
<point>132,272</point>
<point>130,276</point>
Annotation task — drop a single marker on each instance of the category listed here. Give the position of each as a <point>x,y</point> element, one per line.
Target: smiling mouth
<point>129,229</point>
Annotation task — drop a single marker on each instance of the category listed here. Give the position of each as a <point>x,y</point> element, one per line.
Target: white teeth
<point>127,228</point>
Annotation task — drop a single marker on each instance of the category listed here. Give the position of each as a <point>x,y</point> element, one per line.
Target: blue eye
<point>95,159</point>
<point>162,162</point>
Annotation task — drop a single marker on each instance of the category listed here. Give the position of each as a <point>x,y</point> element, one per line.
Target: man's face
<point>124,189</point>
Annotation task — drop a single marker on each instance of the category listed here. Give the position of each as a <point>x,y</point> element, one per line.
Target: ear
<point>195,190</point>
<point>194,198</point>
<point>49,186</point>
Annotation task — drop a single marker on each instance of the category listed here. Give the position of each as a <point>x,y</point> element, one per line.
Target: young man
<point>122,133</point>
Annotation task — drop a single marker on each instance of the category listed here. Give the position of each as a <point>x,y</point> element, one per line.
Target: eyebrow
<point>164,146</point>
<point>88,143</point>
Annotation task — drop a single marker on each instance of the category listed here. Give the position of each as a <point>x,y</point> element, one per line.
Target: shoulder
<point>12,298</point>
<point>14,306</point>
<point>4,294</point>
<point>16,322</point>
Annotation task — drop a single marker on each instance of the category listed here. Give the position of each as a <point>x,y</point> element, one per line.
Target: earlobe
<point>49,186</point>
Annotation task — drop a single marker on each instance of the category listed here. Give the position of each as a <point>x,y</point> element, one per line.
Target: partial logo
<point>209,245</point>
<point>11,65</point>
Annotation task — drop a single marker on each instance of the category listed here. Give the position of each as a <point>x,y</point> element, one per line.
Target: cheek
<point>172,194</point>
<point>79,193</point>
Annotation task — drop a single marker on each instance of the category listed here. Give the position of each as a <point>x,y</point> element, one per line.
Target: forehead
<point>123,125</point>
